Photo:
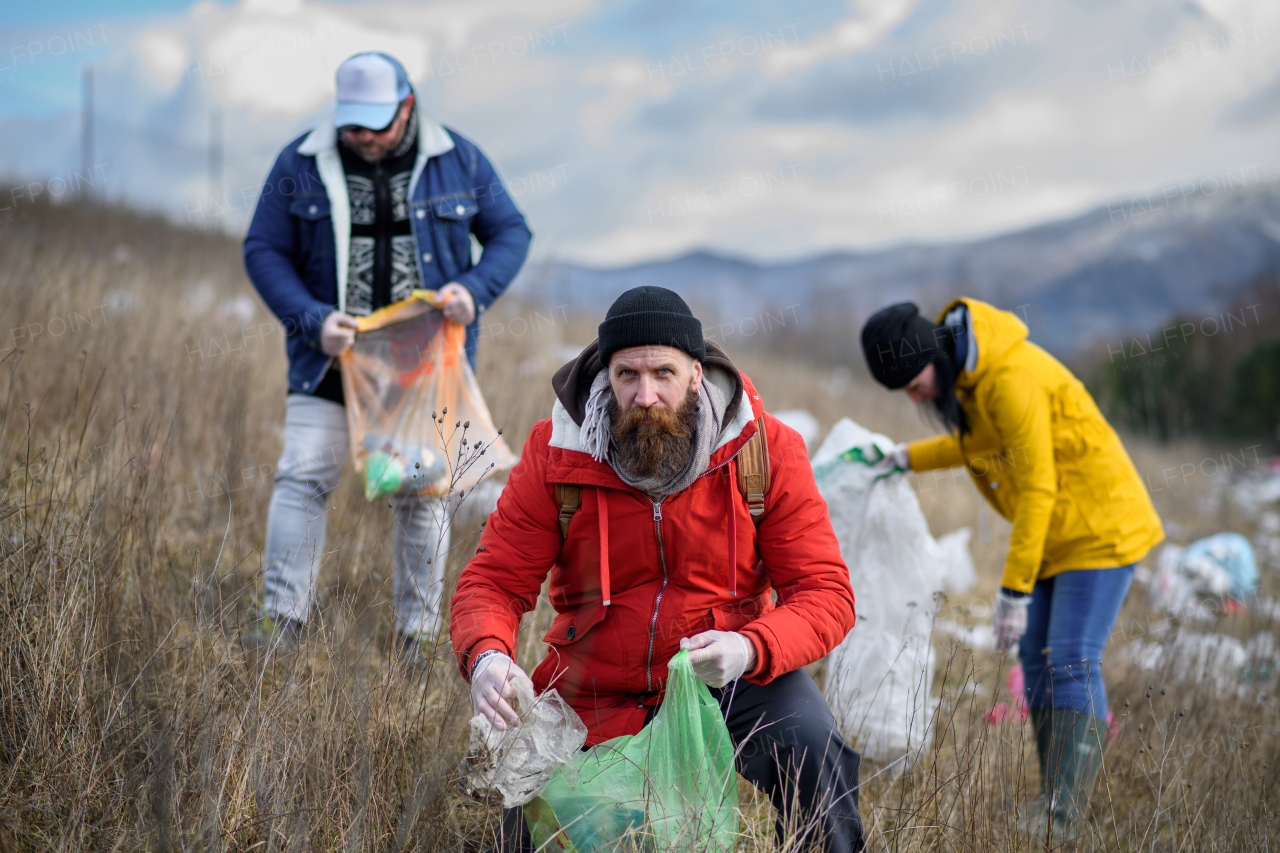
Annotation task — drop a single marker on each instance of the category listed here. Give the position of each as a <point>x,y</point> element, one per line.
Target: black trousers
<point>787,745</point>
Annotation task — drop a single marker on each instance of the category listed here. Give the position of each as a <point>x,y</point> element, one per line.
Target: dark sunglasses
<point>356,128</point>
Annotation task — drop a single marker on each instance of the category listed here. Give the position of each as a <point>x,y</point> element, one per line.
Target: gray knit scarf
<point>597,437</point>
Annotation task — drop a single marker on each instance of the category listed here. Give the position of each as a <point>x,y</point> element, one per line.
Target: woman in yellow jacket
<point>1042,456</point>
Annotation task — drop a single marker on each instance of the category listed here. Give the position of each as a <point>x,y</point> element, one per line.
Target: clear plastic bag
<point>417,420</point>
<point>670,787</point>
<point>518,762</point>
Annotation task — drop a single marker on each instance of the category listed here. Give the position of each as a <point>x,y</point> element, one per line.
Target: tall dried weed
<point>142,386</point>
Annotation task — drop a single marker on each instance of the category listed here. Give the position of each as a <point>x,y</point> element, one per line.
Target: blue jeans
<point>315,450</point>
<point>1068,622</point>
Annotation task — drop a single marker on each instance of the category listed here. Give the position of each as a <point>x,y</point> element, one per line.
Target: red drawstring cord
<point>733,532</point>
<point>602,512</point>
<point>602,509</point>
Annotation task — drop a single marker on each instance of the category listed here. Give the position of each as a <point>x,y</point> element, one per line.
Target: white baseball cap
<point>370,87</point>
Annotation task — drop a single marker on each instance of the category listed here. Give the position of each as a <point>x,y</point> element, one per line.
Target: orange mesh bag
<point>417,421</point>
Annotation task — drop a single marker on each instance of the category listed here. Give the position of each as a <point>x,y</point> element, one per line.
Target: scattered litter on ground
<point>1267,539</point>
<point>1268,608</point>
<point>1220,568</point>
<point>567,352</point>
<point>879,679</point>
<point>1256,492</point>
<point>241,308</point>
<point>802,422</point>
<point>1215,660</point>
<point>979,638</point>
<point>121,300</point>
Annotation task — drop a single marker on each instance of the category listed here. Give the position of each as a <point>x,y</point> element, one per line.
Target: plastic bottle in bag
<point>417,421</point>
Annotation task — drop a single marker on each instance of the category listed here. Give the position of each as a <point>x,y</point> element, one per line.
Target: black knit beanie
<point>898,343</point>
<point>650,316</point>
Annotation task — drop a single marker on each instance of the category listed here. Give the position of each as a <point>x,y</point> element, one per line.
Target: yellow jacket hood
<point>995,331</point>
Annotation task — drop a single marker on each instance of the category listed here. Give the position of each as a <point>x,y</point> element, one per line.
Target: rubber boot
<point>1040,728</point>
<point>1077,742</point>
<point>1074,757</point>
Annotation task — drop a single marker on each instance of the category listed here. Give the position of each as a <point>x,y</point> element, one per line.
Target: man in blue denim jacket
<point>371,204</point>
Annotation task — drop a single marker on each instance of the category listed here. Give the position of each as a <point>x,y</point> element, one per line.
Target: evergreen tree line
<point>1209,376</point>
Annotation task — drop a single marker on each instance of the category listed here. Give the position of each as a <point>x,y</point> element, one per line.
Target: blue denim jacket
<point>297,247</point>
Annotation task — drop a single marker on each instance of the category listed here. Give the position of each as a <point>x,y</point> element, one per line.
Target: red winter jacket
<point>634,577</point>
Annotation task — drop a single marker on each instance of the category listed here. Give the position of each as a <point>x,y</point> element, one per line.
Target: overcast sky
<point>641,130</point>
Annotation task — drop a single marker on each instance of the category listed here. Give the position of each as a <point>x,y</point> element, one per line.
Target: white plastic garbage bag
<point>519,762</point>
<point>879,679</point>
<point>960,575</point>
<point>802,422</point>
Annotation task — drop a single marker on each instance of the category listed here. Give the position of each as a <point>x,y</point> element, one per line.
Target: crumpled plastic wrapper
<point>519,762</point>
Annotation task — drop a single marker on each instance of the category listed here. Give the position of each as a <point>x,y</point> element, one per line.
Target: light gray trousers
<point>315,448</point>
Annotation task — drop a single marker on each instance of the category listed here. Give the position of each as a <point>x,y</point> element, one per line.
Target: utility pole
<point>86,128</point>
<point>215,155</point>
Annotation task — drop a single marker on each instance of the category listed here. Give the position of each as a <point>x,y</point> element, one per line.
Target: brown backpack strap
<point>569,496</point>
<point>753,471</point>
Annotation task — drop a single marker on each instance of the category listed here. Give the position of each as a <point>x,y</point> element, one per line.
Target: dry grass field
<point>142,394</point>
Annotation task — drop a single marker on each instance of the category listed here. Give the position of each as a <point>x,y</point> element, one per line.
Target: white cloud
<point>165,55</point>
<point>282,8</point>
<point>859,32</point>
<point>278,57</point>
<point>627,86</point>
<point>283,62</point>
<point>1039,149</point>
<point>650,161</point>
<point>1239,14</point>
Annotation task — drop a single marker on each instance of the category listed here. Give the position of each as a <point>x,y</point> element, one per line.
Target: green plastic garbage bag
<point>671,787</point>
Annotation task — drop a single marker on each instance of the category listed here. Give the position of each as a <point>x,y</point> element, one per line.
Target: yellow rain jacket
<point>1043,456</point>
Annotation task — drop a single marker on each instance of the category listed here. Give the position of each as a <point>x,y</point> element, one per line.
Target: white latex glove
<point>895,461</point>
<point>880,460</point>
<point>337,334</point>
<point>1010,620</point>
<point>460,308</point>
<point>492,688</point>
<point>719,657</point>
<point>900,458</point>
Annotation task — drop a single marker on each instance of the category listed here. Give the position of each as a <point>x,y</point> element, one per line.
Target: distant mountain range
<point>1127,267</point>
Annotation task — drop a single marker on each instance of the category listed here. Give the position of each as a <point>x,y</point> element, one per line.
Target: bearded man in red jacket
<point>665,552</point>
